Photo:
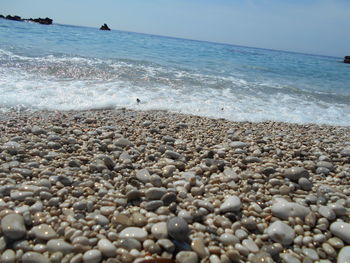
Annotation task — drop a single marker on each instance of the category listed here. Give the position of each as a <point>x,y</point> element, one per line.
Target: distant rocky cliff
<point>43,21</point>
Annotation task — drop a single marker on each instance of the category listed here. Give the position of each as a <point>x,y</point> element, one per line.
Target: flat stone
<point>238,144</point>
<point>133,194</point>
<point>178,228</point>
<point>44,232</point>
<point>101,220</point>
<point>128,243</point>
<point>344,255</point>
<point>122,142</point>
<point>134,232</point>
<point>34,257</point>
<point>59,245</point>
<point>289,258</point>
<point>153,205</point>
<point>155,193</point>
<point>345,152</point>
<point>92,256</point>
<point>231,204</point>
<point>341,230</point>
<point>295,173</point>
<point>325,164</point>
<point>159,230</point>
<point>186,257</point>
<point>281,233</point>
<point>284,209</point>
<point>228,239</point>
<point>13,227</point>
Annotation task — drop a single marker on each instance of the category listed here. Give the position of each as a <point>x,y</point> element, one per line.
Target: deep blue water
<point>62,67</point>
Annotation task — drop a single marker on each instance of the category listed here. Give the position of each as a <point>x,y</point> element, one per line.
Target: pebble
<point>133,232</point>
<point>344,255</point>
<point>186,257</point>
<point>231,204</point>
<point>327,212</point>
<point>284,209</point>
<point>44,232</point>
<point>250,245</point>
<point>228,239</point>
<point>295,173</point>
<point>8,256</point>
<point>159,230</point>
<point>178,228</point>
<point>155,193</point>
<point>34,257</point>
<point>198,246</point>
<point>92,256</point>
<point>13,227</point>
<point>59,245</point>
<point>281,233</point>
<point>107,248</point>
<point>341,230</point>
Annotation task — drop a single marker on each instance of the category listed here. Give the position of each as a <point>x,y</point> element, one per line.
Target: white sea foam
<point>77,83</point>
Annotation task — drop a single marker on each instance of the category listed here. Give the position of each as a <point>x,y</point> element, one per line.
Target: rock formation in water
<point>347,59</point>
<point>104,27</point>
<point>43,21</point>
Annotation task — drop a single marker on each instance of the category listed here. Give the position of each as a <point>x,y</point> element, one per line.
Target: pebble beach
<point>153,186</point>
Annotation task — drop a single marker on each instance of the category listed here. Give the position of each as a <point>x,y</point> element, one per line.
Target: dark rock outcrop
<point>43,21</point>
<point>347,59</point>
<point>104,27</point>
<point>14,18</point>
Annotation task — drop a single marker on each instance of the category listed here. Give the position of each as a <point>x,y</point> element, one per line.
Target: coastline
<point>93,179</point>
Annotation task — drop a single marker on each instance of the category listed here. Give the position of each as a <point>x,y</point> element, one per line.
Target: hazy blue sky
<point>311,26</point>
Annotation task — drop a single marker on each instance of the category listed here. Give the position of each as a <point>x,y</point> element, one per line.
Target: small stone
<point>325,164</point>
<point>250,245</point>
<point>153,205</point>
<point>336,242</point>
<point>122,142</point>
<point>155,193</point>
<point>92,256</point>
<point>178,228</point>
<point>238,144</point>
<point>59,245</point>
<point>44,232</point>
<point>281,233</point>
<point>13,227</point>
<point>305,184</point>
<point>159,230</point>
<point>143,175</point>
<point>101,220</point>
<point>129,243</point>
<point>198,246</point>
<point>168,198</point>
<point>8,256</point>
<point>341,230</point>
<point>133,232</point>
<point>326,212</point>
<point>231,204</point>
<point>228,239</point>
<point>34,257</point>
<point>172,155</point>
<point>186,257</point>
<point>295,173</point>
<point>284,209</point>
<point>107,248</point>
<point>311,253</point>
<point>289,258</point>
<point>344,255</point>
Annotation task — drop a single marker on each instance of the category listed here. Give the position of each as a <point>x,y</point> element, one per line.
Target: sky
<point>307,26</point>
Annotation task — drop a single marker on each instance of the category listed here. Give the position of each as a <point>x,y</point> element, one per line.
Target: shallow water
<point>62,67</point>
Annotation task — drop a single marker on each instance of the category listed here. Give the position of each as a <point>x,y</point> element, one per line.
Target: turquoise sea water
<point>60,67</point>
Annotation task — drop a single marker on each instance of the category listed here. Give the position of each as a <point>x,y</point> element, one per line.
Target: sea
<point>64,67</point>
